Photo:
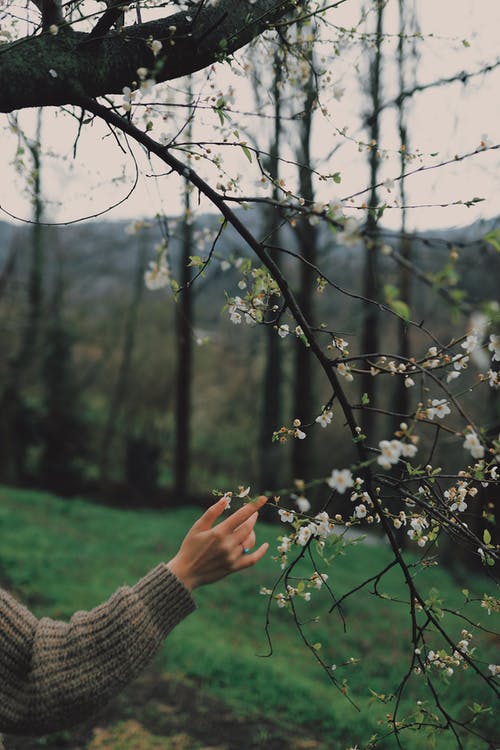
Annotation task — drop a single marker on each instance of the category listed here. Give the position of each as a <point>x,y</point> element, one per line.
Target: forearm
<point>54,674</point>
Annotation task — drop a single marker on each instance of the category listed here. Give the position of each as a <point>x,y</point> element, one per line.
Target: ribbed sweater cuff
<point>166,598</point>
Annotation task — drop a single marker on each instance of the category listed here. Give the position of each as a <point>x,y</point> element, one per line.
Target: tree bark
<point>184,322</point>
<point>271,455</point>
<point>57,69</point>
<point>120,389</point>
<point>371,280</point>
<point>307,234</point>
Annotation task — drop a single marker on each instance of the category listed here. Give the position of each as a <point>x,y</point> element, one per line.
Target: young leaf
<point>246,151</point>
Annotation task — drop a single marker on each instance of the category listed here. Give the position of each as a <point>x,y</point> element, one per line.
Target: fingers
<point>245,529</point>
<point>207,520</point>
<point>244,513</point>
<point>246,561</point>
<point>249,542</point>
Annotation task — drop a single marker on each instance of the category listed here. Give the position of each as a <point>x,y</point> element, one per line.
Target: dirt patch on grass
<point>164,712</point>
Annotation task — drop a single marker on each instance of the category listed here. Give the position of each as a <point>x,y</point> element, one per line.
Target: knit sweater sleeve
<point>54,674</point>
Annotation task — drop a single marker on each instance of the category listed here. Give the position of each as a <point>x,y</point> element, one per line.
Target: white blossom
<point>155,46</point>
<point>305,533</point>
<point>318,579</point>
<point>470,343</point>
<point>340,343</point>
<point>390,453</point>
<point>325,418</point>
<point>227,497</point>
<point>324,525</point>
<point>494,347</point>
<point>285,546</point>
<point>302,504</point>
<point>349,235</point>
<point>493,378</point>
<point>460,361</point>
<point>340,480</point>
<point>157,276</point>
<point>338,92</point>
<point>128,98</point>
<point>439,408</point>
<point>408,450</point>
<point>344,370</point>
<point>147,86</point>
<point>287,516</point>
<point>459,505</point>
<point>360,510</point>
<point>473,444</point>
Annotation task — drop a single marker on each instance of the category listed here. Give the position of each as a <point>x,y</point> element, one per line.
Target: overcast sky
<point>445,121</point>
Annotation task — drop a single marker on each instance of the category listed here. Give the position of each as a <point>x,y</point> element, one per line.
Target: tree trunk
<point>271,454</point>
<point>12,432</point>
<point>371,281</point>
<point>307,235</point>
<point>184,328</point>
<point>120,389</point>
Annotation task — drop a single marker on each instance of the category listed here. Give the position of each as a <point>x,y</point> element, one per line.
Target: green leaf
<point>493,239</point>
<point>359,438</point>
<point>400,308</point>
<point>195,261</point>
<point>365,399</point>
<point>390,292</point>
<point>486,536</point>
<point>336,177</point>
<point>246,152</point>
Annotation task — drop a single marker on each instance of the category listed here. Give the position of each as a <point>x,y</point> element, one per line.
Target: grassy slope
<point>63,556</point>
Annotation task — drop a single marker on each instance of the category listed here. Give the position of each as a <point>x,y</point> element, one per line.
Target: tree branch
<point>51,70</point>
<point>51,12</point>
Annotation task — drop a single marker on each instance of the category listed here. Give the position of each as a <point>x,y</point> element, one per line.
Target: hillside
<point>60,556</point>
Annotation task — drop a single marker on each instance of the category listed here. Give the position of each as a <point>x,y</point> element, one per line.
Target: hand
<point>210,552</point>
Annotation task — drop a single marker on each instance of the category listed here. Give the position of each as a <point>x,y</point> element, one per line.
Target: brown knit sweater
<point>54,674</point>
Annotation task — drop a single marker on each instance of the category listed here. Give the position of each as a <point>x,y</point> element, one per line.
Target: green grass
<point>67,555</point>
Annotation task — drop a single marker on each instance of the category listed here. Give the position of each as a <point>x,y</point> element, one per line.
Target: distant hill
<point>99,258</point>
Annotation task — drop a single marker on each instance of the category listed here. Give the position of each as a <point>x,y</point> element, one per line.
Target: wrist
<point>180,570</point>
